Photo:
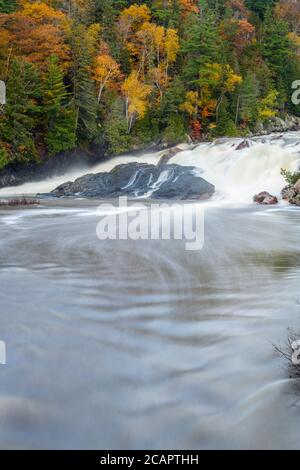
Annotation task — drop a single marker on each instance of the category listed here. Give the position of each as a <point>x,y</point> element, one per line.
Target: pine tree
<point>260,7</point>
<point>278,54</point>
<point>7,6</point>
<point>106,14</point>
<point>167,12</point>
<point>225,124</point>
<point>172,100</point>
<point>59,114</point>
<point>85,101</point>
<point>116,128</point>
<point>247,100</point>
<point>201,45</point>
<point>275,44</point>
<point>20,117</point>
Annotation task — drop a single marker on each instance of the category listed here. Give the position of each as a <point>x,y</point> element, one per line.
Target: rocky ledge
<point>140,180</point>
<point>278,124</point>
<point>292,194</point>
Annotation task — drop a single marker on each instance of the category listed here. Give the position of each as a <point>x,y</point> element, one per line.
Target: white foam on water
<point>237,174</point>
<point>17,217</point>
<point>49,184</point>
<point>240,174</point>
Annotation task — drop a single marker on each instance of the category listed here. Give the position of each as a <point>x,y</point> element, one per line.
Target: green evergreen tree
<point>275,45</point>
<point>21,112</point>
<point>116,129</point>
<point>201,44</point>
<point>225,123</point>
<point>7,6</point>
<point>85,101</point>
<point>171,101</point>
<point>59,114</point>
<point>260,7</point>
<point>247,101</point>
<point>167,13</point>
<point>278,54</point>
<point>4,158</point>
<point>106,14</point>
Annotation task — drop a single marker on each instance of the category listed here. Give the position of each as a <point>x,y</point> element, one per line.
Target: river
<point>142,344</point>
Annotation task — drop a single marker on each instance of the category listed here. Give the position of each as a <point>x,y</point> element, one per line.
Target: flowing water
<point>142,344</point>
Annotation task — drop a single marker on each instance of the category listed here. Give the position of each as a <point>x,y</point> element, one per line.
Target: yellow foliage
<point>153,49</point>
<point>150,36</point>
<point>232,79</point>
<point>144,42</point>
<point>213,78</point>
<point>105,66</point>
<point>40,11</point>
<point>195,104</point>
<point>105,71</point>
<point>137,13</point>
<point>192,103</point>
<point>160,80</point>
<point>159,36</point>
<point>223,75</point>
<point>132,18</point>
<point>93,38</point>
<point>171,45</point>
<point>186,6</point>
<point>267,108</point>
<point>136,93</point>
<point>295,39</point>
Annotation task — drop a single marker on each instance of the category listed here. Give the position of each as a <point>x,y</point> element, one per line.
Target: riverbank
<point>74,161</point>
<point>237,168</point>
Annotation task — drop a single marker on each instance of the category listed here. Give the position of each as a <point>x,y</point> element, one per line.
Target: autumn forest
<point>122,74</point>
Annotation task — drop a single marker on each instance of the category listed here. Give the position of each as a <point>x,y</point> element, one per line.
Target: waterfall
<point>238,171</point>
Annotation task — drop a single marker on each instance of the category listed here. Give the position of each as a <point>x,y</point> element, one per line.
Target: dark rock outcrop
<point>244,145</point>
<point>140,180</point>
<point>166,157</point>
<point>265,198</point>
<point>278,124</point>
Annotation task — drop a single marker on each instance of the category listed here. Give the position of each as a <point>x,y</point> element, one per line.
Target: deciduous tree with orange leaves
<point>36,31</point>
<point>105,72</point>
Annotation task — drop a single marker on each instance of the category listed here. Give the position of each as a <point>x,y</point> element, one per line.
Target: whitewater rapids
<point>236,174</point>
<point>141,344</point>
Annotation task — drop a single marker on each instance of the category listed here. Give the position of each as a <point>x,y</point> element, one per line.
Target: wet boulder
<point>141,180</point>
<point>265,198</point>
<point>245,144</point>
<point>166,157</point>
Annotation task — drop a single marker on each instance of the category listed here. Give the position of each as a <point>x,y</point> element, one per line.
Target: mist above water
<point>237,174</point>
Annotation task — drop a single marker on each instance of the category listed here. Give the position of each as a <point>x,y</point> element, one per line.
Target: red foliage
<point>196,129</point>
<point>239,32</point>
